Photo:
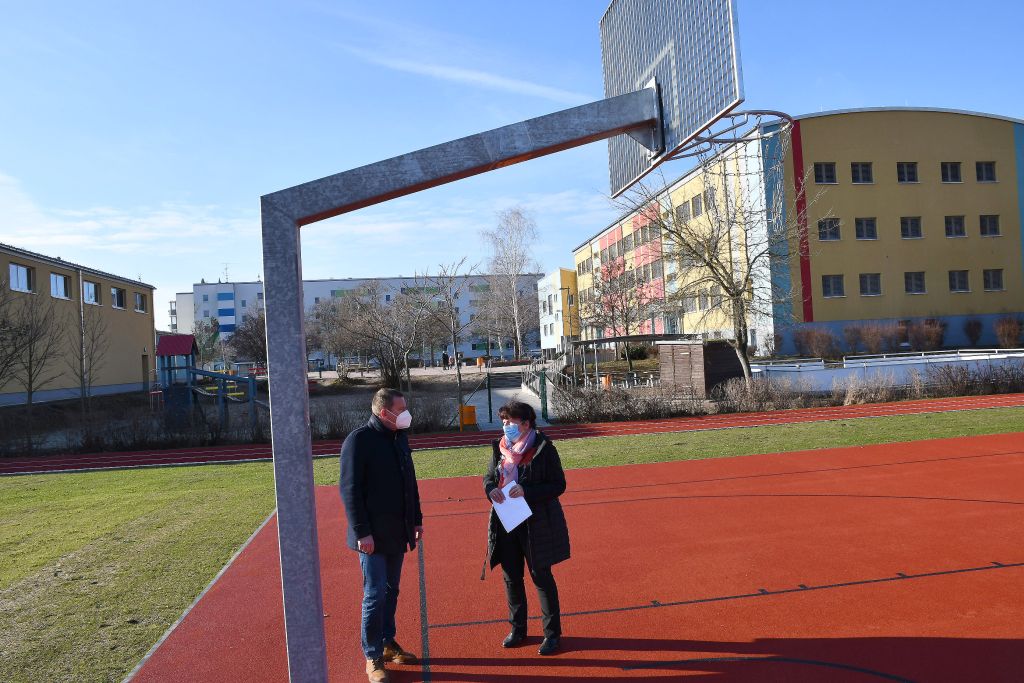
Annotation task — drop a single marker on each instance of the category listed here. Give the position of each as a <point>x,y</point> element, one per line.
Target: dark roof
<point>176,345</point>
<point>68,264</point>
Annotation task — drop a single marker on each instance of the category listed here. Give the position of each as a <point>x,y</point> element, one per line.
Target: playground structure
<point>182,387</point>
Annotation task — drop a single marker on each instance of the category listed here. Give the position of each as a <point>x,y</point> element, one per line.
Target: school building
<point>98,322</point>
<point>903,215</point>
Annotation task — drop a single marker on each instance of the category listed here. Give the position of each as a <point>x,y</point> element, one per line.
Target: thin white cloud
<point>481,79</point>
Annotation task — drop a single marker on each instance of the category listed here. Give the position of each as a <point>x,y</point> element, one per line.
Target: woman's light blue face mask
<point>511,431</point>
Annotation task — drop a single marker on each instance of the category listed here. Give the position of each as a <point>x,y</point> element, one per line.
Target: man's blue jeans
<point>381,575</point>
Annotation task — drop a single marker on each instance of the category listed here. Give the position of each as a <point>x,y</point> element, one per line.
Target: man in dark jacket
<point>382,503</point>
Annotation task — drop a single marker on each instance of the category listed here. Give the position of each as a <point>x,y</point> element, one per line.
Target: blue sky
<point>137,137</point>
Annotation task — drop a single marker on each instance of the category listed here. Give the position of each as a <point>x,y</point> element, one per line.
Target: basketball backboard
<point>690,49</point>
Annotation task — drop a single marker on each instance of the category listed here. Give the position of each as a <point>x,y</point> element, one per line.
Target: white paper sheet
<point>514,511</point>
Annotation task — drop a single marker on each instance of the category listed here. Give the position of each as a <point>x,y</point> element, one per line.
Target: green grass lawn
<point>95,566</point>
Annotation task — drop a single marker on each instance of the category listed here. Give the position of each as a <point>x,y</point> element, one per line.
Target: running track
<point>895,562</point>
<point>245,453</point>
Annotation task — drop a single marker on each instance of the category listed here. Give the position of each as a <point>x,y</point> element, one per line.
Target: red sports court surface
<point>900,562</point>
<point>245,453</point>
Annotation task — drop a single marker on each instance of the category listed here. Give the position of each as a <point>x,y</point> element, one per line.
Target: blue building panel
<point>227,327</point>
<point>225,296</point>
<point>225,311</point>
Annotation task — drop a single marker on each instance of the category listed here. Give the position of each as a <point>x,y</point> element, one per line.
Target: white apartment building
<point>558,311</point>
<point>231,303</point>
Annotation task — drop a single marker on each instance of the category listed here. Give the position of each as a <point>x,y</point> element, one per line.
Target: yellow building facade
<point>898,215</point>
<point>910,214</point>
<point>114,314</point>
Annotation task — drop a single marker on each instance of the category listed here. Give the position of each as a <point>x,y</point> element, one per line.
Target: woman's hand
<point>497,496</point>
<point>516,491</point>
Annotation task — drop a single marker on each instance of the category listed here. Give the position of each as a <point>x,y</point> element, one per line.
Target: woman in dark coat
<point>529,458</point>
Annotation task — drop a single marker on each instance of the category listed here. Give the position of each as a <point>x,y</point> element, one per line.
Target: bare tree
<point>621,299</point>
<point>39,324</point>
<point>512,243</point>
<point>446,289</point>
<point>90,343</point>
<point>727,237</point>
<point>249,340</point>
<point>206,334</point>
<point>494,321</point>
<point>10,337</point>
<point>390,330</point>
<point>329,325</point>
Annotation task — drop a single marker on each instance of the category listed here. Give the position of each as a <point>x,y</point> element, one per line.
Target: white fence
<point>898,369</point>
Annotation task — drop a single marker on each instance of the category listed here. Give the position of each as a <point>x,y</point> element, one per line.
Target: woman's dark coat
<point>543,481</point>
<point>378,488</point>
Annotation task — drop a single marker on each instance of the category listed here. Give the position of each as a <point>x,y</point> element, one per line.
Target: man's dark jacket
<point>378,488</point>
<point>543,481</point>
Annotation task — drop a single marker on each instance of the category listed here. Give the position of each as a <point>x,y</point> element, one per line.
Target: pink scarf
<point>519,453</point>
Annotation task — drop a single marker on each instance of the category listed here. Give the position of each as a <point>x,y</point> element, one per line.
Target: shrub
<point>820,343</point>
<point>972,330</point>
<point>880,337</point>
<point>875,388</point>
<point>635,352</point>
<point>587,404</point>
<point>950,380</point>
<point>1008,330</point>
<point>927,335</point>
<point>853,334</point>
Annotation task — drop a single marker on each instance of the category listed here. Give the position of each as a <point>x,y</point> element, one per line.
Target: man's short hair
<point>384,398</point>
<point>520,411</point>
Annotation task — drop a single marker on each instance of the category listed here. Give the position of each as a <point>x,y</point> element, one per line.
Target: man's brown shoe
<point>393,652</point>
<point>375,671</point>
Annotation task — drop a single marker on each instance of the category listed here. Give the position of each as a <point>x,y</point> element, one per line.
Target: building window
<point>906,171</point>
<point>870,284</point>
<point>709,198</point>
<point>140,303</point>
<point>913,282</point>
<point>958,281</point>
<point>951,172</point>
<point>986,171</point>
<point>867,228</point>
<point>117,296</point>
<point>828,229</point>
<point>627,243</point>
<point>993,279</point>
<point>832,286</point>
<point>243,303</point>
<point>91,294</point>
<point>206,297</point>
<point>60,286</point>
<point>825,172</point>
<point>543,307</point>
<point>316,300</point>
<point>861,172</point>
<point>206,313</point>
<point>683,213</point>
<point>387,297</point>
<point>696,206</point>
<point>23,278</point>
<point>910,227</point>
<point>990,226</point>
<point>955,226</point>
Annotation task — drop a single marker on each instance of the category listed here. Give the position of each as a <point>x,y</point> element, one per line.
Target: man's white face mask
<point>403,420</point>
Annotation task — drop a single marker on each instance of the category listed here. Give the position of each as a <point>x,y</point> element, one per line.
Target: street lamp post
<point>572,349</point>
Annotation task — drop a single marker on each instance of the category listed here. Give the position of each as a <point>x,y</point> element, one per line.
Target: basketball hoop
<point>736,128</point>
